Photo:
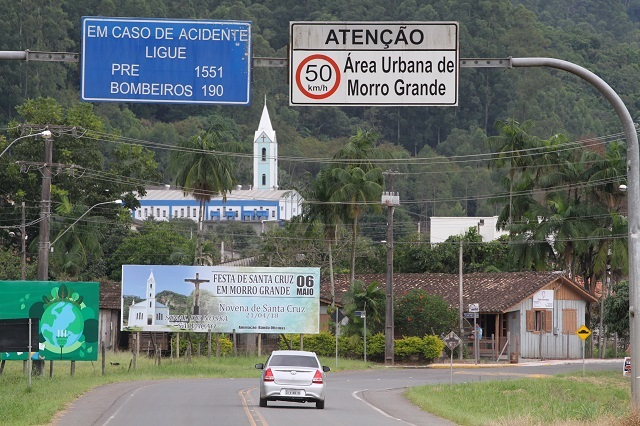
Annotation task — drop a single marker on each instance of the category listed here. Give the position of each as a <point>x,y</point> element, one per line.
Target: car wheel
<point>263,402</point>
<point>319,405</point>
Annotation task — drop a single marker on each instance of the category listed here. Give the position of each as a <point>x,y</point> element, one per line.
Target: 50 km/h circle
<point>321,76</point>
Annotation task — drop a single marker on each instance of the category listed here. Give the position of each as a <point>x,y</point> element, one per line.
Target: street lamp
<point>45,134</point>
<point>81,216</point>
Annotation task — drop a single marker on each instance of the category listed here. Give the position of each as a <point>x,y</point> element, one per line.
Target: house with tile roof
<point>512,314</point>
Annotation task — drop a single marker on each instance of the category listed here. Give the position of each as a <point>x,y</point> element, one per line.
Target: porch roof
<point>494,292</point>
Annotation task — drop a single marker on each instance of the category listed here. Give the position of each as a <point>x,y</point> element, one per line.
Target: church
<point>148,313</point>
<point>261,202</point>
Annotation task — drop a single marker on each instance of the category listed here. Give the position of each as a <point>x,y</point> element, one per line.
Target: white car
<point>292,376</point>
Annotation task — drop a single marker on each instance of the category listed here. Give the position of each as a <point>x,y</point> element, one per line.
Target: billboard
<point>66,314</point>
<point>220,299</point>
<point>374,63</point>
<point>165,61</point>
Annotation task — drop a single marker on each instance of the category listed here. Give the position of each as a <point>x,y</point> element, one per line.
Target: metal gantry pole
<point>633,200</point>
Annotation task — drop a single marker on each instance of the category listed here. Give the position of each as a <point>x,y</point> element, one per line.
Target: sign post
<point>474,308</point>
<point>452,341</point>
<point>363,315</point>
<point>584,333</point>
<point>374,63</point>
<point>165,61</point>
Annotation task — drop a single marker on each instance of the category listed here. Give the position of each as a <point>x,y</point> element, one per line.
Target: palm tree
<point>360,150</point>
<point>320,209</point>
<point>510,149</point>
<point>369,297</point>
<point>204,170</point>
<point>357,189</point>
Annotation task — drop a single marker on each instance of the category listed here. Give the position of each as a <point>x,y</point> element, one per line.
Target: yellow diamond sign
<point>583,332</point>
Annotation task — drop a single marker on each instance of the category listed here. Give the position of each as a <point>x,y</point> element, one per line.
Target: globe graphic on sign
<point>62,324</point>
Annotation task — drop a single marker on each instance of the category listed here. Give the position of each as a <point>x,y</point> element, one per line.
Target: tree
<point>204,169</point>
<point>417,313</point>
<point>511,148</point>
<point>357,189</point>
<point>616,310</point>
<point>365,297</point>
<point>154,243</point>
<point>319,208</point>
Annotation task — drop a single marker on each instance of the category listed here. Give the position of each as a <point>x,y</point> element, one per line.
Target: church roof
<point>265,124</point>
<point>238,194</point>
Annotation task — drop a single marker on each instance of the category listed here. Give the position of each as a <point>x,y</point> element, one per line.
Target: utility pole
<point>23,236</point>
<point>45,213</point>
<point>389,199</point>
<point>460,301</point>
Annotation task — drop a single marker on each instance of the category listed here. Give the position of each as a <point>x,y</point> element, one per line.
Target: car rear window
<point>293,361</point>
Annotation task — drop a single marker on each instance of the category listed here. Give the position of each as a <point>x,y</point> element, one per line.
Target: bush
<point>323,344</point>
<point>375,347</point>
<point>408,346</point>
<point>432,347</point>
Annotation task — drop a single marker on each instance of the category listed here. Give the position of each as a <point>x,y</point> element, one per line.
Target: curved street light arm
<point>78,219</point>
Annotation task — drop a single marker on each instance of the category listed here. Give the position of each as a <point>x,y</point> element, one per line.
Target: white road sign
<point>374,63</point>
<point>543,299</point>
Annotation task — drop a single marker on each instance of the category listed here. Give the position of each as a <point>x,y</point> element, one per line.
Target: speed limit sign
<point>317,76</point>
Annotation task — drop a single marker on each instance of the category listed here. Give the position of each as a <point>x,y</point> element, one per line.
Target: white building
<point>264,201</point>
<point>148,312</point>
<point>445,227</point>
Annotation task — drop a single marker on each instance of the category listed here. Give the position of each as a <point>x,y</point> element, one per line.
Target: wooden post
<point>104,361</point>
<point>178,345</point>
<point>301,342</point>
<point>235,343</point>
<point>259,344</point>
<point>135,352</point>
<point>73,368</point>
<point>209,344</point>
<point>50,368</point>
<point>217,345</point>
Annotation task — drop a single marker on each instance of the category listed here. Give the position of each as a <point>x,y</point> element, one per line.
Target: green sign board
<point>66,314</point>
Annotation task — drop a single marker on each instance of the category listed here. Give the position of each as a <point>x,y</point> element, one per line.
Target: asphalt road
<point>370,398</point>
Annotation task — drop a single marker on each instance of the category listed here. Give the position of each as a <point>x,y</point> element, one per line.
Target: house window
<point>181,212</point>
<point>539,320</point>
<point>164,213</point>
<point>194,212</point>
<point>273,213</point>
<point>145,212</point>
<point>157,212</point>
<point>264,179</point>
<point>264,154</point>
<point>569,321</point>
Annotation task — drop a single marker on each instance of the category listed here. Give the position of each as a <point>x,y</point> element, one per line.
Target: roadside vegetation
<point>38,404</point>
<point>567,399</point>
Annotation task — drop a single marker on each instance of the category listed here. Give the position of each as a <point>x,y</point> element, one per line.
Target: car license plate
<point>292,392</point>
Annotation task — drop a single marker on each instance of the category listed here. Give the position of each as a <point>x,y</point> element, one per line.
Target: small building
<point>444,227</point>
<point>511,322</point>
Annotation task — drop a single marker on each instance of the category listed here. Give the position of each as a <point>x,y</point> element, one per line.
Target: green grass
<point>38,404</point>
<point>571,399</point>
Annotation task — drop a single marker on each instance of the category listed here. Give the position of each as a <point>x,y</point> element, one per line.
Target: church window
<point>159,316</point>
<point>264,179</point>
<point>264,154</point>
<point>139,315</point>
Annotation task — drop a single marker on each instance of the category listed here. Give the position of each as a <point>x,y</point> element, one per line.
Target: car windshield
<point>293,361</point>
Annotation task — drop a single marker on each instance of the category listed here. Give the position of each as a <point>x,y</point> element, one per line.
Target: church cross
<point>263,137</point>
<point>196,281</point>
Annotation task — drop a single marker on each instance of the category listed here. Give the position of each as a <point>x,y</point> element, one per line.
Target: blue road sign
<point>165,61</point>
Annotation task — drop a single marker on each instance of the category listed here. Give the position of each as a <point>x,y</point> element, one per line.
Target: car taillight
<point>268,375</point>
<point>317,378</point>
